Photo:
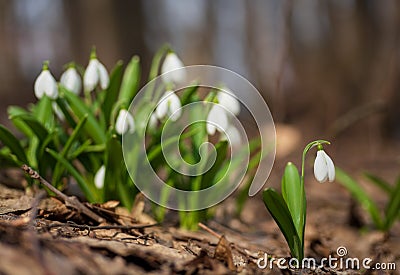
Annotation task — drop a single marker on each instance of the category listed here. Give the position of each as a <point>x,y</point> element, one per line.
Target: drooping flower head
<point>172,63</point>
<point>95,74</point>
<point>324,169</point>
<point>45,83</point>
<point>170,105</point>
<point>124,123</point>
<point>226,98</point>
<point>217,119</point>
<point>71,80</point>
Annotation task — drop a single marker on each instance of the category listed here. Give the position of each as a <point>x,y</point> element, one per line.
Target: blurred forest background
<point>330,68</point>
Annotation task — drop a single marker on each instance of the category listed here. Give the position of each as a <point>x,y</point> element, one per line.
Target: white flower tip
<point>99,177</point>
<point>45,84</point>
<point>124,123</point>
<point>173,63</point>
<point>95,74</point>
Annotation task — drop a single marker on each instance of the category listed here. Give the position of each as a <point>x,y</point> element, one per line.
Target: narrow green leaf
<point>385,186</point>
<point>9,140</point>
<point>58,170</point>
<point>360,195</point>
<point>111,94</point>
<point>130,81</point>
<point>188,94</point>
<point>281,214</point>
<point>208,178</point>
<point>92,127</point>
<point>35,125</point>
<point>291,192</point>
<point>155,64</point>
<point>393,208</point>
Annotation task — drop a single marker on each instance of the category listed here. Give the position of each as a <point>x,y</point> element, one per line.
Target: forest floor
<point>44,235</point>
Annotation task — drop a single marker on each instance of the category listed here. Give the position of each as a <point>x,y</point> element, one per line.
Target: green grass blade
<point>112,92</point>
<point>385,186</point>
<point>35,125</point>
<point>92,127</point>
<point>393,208</point>
<point>9,140</point>
<point>360,195</point>
<point>281,214</point>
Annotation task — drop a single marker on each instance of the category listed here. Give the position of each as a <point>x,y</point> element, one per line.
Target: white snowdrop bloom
<point>217,117</point>
<point>170,105</point>
<point>99,177</point>
<point>229,101</point>
<point>45,84</point>
<point>124,123</point>
<point>324,169</point>
<point>71,80</point>
<point>95,74</point>
<point>232,135</point>
<point>58,111</point>
<point>152,123</point>
<point>171,63</point>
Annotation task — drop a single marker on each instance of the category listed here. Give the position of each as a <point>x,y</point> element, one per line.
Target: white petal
<point>91,76</point>
<point>171,63</point>
<point>70,80</point>
<point>99,177</point>
<point>174,106</point>
<point>124,123</point>
<point>331,168</point>
<point>152,121</point>
<point>103,75</point>
<point>227,99</point>
<point>232,135</point>
<point>320,167</point>
<point>162,107</point>
<point>45,84</point>
<point>218,119</point>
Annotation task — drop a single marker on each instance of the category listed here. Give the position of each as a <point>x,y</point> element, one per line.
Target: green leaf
<point>188,94</point>
<point>58,170</point>
<point>75,173</point>
<point>291,192</point>
<point>208,178</point>
<point>130,81</point>
<point>385,186</point>
<point>92,127</point>
<point>9,140</point>
<point>281,214</point>
<point>360,195</point>
<point>43,112</point>
<point>35,125</point>
<point>111,94</point>
<point>393,208</point>
<point>114,168</point>
<point>155,64</point>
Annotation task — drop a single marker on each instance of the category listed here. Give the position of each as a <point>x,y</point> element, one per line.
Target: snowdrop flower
<point>232,135</point>
<point>71,80</point>
<point>170,105</point>
<point>152,121</point>
<point>45,83</point>
<point>95,74</point>
<point>229,101</point>
<point>125,123</point>
<point>324,169</point>
<point>99,177</point>
<point>172,62</point>
<point>216,117</point>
